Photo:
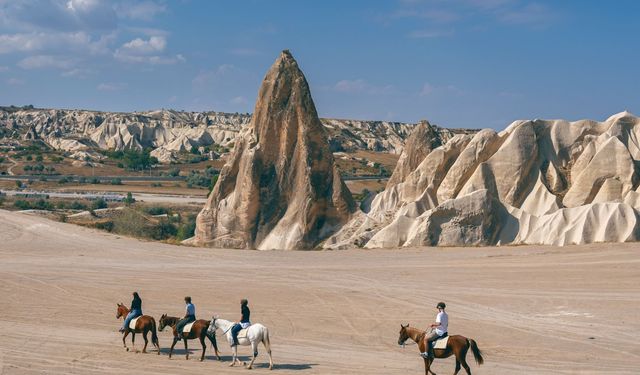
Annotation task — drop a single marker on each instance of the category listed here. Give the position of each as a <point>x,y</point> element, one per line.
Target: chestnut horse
<point>457,345</point>
<point>198,331</point>
<point>144,324</point>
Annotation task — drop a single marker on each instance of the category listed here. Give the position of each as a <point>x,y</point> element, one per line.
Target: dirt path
<point>10,169</point>
<point>536,310</point>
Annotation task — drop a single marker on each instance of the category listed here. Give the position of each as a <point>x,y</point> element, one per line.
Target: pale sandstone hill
<point>536,182</point>
<point>280,188</point>
<point>168,132</point>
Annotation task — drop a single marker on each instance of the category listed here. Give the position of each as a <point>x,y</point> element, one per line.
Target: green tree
<point>129,200</point>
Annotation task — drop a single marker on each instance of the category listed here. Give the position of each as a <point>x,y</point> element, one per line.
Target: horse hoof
<point>127,349</point>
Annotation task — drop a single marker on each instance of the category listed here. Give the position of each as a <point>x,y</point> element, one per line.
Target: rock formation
<point>169,132</point>
<point>280,188</point>
<point>536,182</point>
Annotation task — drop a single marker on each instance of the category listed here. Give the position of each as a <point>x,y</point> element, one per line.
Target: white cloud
<point>111,86</point>
<point>147,51</point>
<point>427,89</point>
<point>54,42</point>
<point>45,61</point>
<point>361,86</point>
<point>141,46</point>
<point>4,68</point>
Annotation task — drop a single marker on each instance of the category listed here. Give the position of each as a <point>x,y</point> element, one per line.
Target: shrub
<point>2,159</point>
<point>39,158</point>
<point>22,204</point>
<point>19,184</point>
<point>98,204</point>
<point>129,200</point>
<point>105,225</point>
<point>42,204</point>
<point>94,181</point>
<point>174,172</point>
<point>82,180</point>
<point>116,181</point>
<point>187,230</point>
<point>156,210</point>
<point>29,157</point>
<point>75,205</point>
<point>156,184</point>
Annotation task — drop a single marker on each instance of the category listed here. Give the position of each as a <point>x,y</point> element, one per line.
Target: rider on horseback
<point>134,312</point>
<point>244,321</point>
<point>439,329</point>
<point>190,316</point>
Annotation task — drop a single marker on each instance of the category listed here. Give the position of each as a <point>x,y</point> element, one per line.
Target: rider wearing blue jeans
<point>244,321</point>
<point>190,316</point>
<point>134,312</point>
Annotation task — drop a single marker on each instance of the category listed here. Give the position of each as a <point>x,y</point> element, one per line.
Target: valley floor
<point>546,310</point>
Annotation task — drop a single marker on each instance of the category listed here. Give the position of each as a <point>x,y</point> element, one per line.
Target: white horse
<point>256,333</point>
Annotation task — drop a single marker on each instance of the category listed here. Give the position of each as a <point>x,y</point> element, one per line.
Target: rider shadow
<point>177,351</point>
<point>287,366</point>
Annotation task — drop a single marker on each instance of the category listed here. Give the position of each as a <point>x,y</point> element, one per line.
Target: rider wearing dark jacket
<point>245,321</point>
<point>134,312</point>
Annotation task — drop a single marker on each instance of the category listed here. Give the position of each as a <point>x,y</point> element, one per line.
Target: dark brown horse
<point>144,324</point>
<point>198,331</point>
<point>457,345</point>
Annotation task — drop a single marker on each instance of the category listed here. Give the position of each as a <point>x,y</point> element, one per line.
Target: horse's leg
<point>214,343</point>
<point>175,340</point>
<point>235,356</point>
<point>464,364</point>
<point>204,346</point>
<point>186,347</point>
<point>144,336</point>
<point>457,367</point>
<point>267,347</point>
<point>426,366</point>
<point>254,348</point>
<point>124,338</point>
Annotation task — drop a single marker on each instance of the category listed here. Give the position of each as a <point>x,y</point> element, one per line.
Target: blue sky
<point>457,63</point>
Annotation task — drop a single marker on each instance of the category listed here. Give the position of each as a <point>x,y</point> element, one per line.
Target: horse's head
<point>404,335</point>
<point>122,311</point>
<point>212,326</point>
<point>162,322</point>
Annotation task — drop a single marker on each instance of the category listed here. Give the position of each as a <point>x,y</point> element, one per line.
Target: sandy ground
<point>541,310</point>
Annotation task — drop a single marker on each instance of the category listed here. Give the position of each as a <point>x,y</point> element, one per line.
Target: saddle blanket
<point>132,323</point>
<point>441,343</point>
<point>187,328</point>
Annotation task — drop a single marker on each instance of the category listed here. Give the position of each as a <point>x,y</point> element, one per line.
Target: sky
<point>456,63</point>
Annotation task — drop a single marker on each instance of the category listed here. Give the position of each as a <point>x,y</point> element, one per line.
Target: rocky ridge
<point>169,132</point>
<point>537,182</point>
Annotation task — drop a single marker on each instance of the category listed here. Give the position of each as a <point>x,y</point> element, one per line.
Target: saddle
<point>243,333</point>
<point>441,343</point>
<point>132,323</point>
<point>187,328</point>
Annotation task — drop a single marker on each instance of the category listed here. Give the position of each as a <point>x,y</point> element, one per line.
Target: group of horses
<point>200,329</point>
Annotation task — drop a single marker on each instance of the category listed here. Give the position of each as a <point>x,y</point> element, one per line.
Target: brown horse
<point>457,345</point>
<point>144,324</point>
<point>198,331</point>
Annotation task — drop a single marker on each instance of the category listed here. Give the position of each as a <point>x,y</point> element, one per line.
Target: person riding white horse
<point>245,322</point>
<point>256,333</point>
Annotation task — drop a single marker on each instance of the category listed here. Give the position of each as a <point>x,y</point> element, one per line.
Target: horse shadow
<point>287,366</point>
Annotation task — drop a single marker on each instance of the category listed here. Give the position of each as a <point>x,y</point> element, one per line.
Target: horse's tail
<point>265,340</point>
<point>477,354</point>
<point>154,334</point>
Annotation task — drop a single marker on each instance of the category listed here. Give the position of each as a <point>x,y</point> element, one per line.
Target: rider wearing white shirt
<point>439,329</point>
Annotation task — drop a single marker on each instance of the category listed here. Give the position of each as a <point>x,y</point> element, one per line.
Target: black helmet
<point>441,305</point>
